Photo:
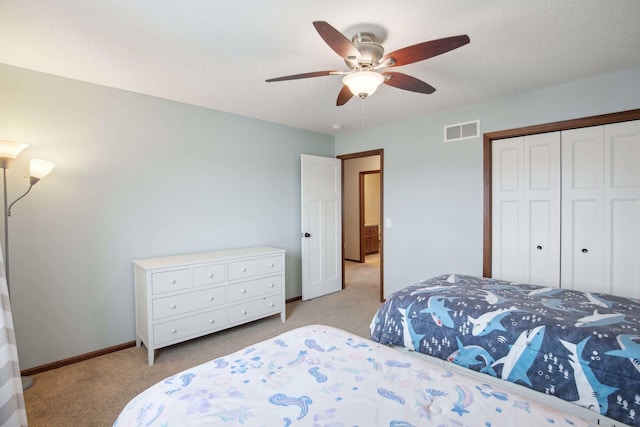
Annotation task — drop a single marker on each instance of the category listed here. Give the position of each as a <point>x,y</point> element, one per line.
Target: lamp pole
<point>6,228</point>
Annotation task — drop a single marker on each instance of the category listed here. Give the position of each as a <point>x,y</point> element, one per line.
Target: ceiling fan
<point>366,59</point>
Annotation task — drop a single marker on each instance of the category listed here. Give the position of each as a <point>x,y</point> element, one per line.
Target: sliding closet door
<point>526,206</point>
<point>601,209</point>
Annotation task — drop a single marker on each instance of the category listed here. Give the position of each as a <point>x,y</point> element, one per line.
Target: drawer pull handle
<point>271,265</point>
<point>244,291</point>
<point>271,285</point>
<point>174,331</point>
<point>211,276</point>
<point>272,305</point>
<point>173,306</point>
<point>244,311</point>
<point>173,281</point>
<point>212,321</point>
<point>211,298</point>
<point>244,270</point>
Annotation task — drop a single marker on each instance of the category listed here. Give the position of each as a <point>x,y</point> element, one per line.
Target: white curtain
<point>12,410</point>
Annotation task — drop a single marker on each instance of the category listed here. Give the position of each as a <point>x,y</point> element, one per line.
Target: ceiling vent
<point>461,131</point>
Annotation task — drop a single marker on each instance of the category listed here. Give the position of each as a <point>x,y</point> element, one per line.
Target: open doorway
<point>362,232</point>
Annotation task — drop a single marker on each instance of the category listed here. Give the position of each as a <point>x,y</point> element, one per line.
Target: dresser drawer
<point>254,288</point>
<point>270,265</point>
<point>209,275</point>
<point>173,280</point>
<point>184,303</point>
<point>257,308</point>
<point>177,330</point>
<point>243,269</point>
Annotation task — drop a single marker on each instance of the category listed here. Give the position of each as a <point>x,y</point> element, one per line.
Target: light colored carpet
<point>93,392</point>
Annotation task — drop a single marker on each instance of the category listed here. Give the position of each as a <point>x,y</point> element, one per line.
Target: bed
<point>581,347</point>
<point>321,376</point>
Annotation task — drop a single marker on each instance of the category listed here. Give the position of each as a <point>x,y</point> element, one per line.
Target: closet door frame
<point>488,138</point>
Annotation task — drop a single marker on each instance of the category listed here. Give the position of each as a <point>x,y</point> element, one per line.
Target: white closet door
<point>622,208</point>
<point>507,200</point>
<point>582,209</point>
<point>542,197</point>
<point>601,209</point>
<point>526,205</point>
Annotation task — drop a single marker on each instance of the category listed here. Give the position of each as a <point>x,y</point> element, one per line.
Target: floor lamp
<point>38,169</point>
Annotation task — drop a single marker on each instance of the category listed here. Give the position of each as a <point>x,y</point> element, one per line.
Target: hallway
<point>366,274</point>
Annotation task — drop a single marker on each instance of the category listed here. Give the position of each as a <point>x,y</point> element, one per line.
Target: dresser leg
<point>150,357</point>
<point>283,315</point>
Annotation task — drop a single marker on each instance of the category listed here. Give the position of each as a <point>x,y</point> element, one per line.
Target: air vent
<point>461,131</point>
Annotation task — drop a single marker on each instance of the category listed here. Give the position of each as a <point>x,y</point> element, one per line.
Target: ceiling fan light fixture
<point>363,83</point>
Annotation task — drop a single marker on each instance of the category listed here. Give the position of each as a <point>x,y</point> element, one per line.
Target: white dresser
<point>186,296</point>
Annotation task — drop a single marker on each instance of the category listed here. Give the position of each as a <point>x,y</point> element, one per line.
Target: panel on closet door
<point>526,206</point>
<point>582,210</point>
<point>625,248</point>
<point>507,179</point>
<point>509,166</point>
<point>507,242</point>
<point>584,269</point>
<point>542,195</point>
<point>544,253</point>
<point>622,208</point>
<point>542,169</point>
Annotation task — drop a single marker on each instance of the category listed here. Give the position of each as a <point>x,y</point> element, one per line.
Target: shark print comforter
<point>581,347</point>
<point>319,376</point>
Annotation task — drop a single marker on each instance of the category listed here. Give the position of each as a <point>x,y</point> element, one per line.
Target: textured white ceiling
<point>218,53</point>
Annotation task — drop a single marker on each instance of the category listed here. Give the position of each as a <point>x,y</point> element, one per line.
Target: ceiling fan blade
<point>344,96</point>
<point>302,76</point>
<point>403,81</point>
<point>336,40</point>
<point>425,50</point>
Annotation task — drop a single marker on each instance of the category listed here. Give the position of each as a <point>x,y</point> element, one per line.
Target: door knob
<point>585,250</point>
<point>539,247</point>
<point>306,235</point>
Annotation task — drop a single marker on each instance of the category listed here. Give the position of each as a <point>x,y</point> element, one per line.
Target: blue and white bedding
<point>581,347</point>
<point>319,376</point>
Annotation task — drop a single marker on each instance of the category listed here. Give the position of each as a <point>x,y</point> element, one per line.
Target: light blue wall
<point>135,177</point>
<point>138,176</point>
<point>433,192</point>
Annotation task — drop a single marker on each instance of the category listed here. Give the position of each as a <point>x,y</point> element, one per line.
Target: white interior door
<point>321,226</point>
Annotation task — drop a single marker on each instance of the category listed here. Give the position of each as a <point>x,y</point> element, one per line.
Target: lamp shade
<point>9,150</point>
<point>39,168</point>
<point>363,83</point>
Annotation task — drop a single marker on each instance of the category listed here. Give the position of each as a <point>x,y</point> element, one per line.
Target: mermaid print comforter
<point>319,376</point>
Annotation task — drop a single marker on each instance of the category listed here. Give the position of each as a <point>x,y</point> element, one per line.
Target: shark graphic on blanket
<point>583,347</point>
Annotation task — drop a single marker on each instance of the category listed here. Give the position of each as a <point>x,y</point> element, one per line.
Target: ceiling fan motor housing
<point>370,51</point>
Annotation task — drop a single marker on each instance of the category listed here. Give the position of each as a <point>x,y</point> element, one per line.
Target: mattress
<point>326,377</point>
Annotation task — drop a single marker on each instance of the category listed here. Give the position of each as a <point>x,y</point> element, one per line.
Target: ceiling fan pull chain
<point>363,115</point>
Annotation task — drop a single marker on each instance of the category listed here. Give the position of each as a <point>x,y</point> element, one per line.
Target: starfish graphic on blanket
<point>521,356</point>
<point>489,322</point>
<point>439,313</point>
<point>592,394</point>
<point>471,356</point>
<point>629,348</point>
<point>411,338</point>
